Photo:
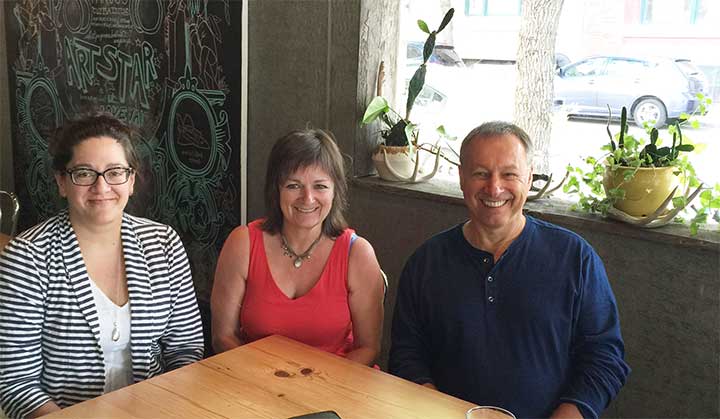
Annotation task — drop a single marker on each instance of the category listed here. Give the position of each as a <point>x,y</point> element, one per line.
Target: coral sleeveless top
<point>320,318</point>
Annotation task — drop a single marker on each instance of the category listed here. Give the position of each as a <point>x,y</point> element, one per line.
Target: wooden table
<point>275,378</point>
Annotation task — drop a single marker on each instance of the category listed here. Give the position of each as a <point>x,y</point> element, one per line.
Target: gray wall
<point>304,70</point>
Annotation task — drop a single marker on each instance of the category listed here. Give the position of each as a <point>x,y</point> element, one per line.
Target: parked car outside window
<point>442,55</point>
<point>653,90</point>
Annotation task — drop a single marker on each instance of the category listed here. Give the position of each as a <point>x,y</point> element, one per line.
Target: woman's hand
<point>229,290</point>
<point>366,292</point>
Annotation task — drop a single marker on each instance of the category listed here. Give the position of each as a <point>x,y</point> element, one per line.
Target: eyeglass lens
<point>112,176</point>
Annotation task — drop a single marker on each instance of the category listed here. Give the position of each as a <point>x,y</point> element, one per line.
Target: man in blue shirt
<point>505,309</point>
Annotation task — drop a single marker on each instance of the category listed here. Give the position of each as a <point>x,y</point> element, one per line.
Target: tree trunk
<point>535,73</point>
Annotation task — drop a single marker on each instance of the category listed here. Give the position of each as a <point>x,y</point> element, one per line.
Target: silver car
<point>653,90</point>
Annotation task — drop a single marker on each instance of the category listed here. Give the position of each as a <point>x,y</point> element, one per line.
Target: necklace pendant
<point>298,263</point>
<point>115,336</point>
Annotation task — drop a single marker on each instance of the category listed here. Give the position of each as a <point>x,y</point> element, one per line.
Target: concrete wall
<point>304,69</point>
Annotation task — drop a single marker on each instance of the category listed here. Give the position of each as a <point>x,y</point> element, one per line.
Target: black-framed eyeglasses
<point>87,177</point>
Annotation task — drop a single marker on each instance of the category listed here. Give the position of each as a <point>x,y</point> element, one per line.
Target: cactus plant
<point>628,153</point>
<point>399,131</point>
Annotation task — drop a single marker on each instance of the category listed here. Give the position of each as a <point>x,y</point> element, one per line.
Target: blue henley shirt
<point>534,329</point>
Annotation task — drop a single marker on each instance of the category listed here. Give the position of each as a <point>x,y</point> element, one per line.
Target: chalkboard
<point>171,68</point>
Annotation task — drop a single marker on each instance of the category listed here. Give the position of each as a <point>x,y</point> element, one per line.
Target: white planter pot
<point>398,157</point>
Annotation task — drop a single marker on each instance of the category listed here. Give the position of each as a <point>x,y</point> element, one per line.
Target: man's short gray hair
<point>498,128</point>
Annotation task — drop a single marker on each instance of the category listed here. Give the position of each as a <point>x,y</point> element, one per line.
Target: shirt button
<point>490,279</point>
<point>491,299</point>
<point>486,260</point>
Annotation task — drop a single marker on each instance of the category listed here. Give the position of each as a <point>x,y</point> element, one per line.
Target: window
<point>591,67</point>
<point>626,68</point>
<point>443,55</point>
<point>460,97</point>
<point>679,12</point>
<point>493,7</point>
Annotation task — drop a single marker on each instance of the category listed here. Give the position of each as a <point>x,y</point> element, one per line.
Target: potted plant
<point>397,157</point>
<point>644,182</point>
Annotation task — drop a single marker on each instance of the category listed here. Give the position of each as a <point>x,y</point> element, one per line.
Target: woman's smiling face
<point>306,197</point>
<point>99,203</point>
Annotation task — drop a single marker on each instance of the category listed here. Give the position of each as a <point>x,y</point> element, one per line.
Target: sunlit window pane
<point>707,12</point>
<point>667,11</point>
<point>503,8</point>
<point>609,59</point>
<point>493,7</point>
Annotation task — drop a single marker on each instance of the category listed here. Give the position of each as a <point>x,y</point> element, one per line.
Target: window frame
<point>485,12</point>
<point>645,18</point>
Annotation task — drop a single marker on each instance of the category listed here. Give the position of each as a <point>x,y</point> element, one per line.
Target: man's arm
<point>597,348</point>
<point>409,351</point>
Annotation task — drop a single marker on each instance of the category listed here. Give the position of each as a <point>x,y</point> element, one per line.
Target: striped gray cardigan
<point>49,329</point>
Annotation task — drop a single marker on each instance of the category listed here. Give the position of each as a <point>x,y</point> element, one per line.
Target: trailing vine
<point>586,180</point>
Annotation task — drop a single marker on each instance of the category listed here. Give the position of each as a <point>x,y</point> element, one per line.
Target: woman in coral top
<point>301,272</point>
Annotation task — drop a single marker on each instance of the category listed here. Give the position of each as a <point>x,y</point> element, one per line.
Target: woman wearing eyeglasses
<point>92,299</point>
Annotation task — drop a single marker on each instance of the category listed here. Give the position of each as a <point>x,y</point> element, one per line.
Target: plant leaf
<point>658,152</point>
<point>378,106</point>
<point>685,147</point>
<point>396,135</point>
<point>428,47</point>
<point>679,132</point>
<point>607,128</point>
<point>448,17</point>
<point>654,136</point>
<point>679,201</point>
<point>423,26</point>
<point>623,127</point>
<point>416,84</point>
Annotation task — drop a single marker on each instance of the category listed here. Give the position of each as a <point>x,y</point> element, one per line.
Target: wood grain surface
<point>276,378</point>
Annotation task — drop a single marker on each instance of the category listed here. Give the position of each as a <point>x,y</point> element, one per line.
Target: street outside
<point>574,138</point>
<point>486,92</point>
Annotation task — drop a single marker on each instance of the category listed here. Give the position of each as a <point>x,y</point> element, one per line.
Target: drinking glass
<point>488,412</point>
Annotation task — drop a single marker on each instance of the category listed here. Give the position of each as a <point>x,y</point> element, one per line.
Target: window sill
<point>552,210</point>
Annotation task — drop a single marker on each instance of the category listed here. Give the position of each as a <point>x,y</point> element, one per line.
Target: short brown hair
<point>300,149</point>
<point>91,125</point>
<point>498,128</point>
